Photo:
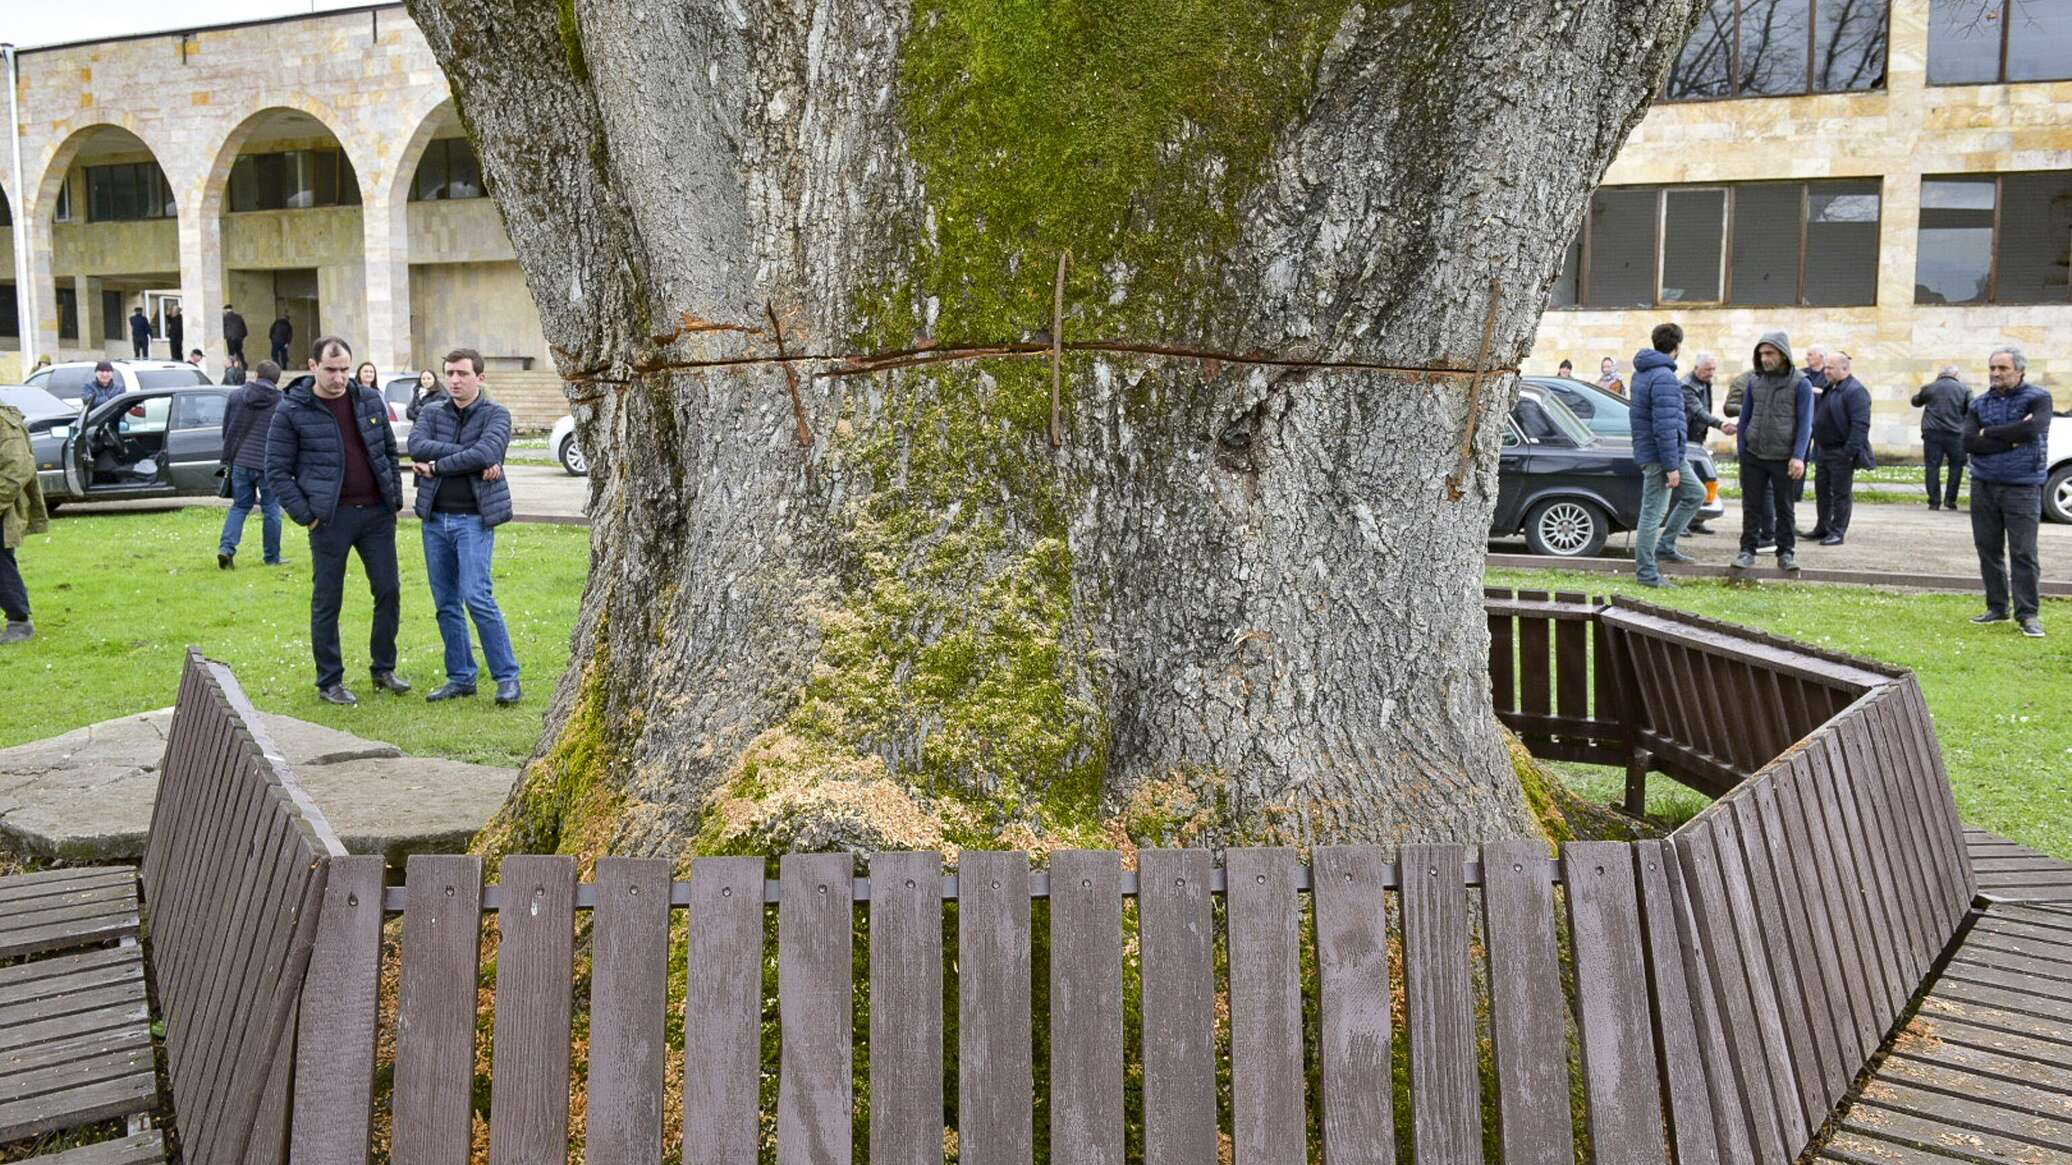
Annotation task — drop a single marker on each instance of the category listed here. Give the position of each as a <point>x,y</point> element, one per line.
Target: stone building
<point>1892,178</point>
<point>310,167</point>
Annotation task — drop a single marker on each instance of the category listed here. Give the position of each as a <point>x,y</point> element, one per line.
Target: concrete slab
<point>87,795</point>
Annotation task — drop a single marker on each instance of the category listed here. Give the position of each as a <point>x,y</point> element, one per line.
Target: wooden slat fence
<point>234,867</point>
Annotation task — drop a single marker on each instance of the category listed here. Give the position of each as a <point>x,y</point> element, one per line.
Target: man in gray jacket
<point>1698,414</point>
<point>1944,402</point>
<point>1776,415</point>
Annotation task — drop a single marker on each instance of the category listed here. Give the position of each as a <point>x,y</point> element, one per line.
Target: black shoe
<point>387,682</point>
<point>1700,528</point>
<point>2032,627</point>
<point>336,694</point>
<point>1933,506</point>
<point>449,691</point>
<point>1831,540</point>
<point>1744,560</point>
<point>1816,534</point>
<point>226,562</point>
<point>1991,617</point>
<point>1787,561</point>
<point>507,693</point>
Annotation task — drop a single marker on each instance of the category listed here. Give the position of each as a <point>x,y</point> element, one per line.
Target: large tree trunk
<point>863,576</point>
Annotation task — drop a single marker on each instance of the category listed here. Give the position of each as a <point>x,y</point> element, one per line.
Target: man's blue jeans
<point>458,550</point>
<point>1654,535</point>
<point>247,489</point>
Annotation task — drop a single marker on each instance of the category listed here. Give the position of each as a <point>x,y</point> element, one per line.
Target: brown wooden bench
<point>1729,984</point>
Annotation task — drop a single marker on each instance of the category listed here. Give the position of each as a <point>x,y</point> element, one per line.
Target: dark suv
<point>1565,487</point>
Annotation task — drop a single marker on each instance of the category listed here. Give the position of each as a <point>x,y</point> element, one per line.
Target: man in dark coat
<point>1775,409</point>
<point>246,419</point>
<point>1697,397</point>
<point>280,335</point>
<point>331,459</point>
<point>1944,402</point>
<point>2007,433</point>
<point>1659,424</point>
<point>457,451</point>
<point>140,334</point>
<point>234,333</point>
<point>1842,435</point>
<point>175,331</point>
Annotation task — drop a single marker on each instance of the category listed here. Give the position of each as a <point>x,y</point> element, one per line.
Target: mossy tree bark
<point>1221,583</point>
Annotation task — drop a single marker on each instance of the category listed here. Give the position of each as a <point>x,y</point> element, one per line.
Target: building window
<point>1972,42</point>
<point>1770,48</point>
<point>127,193</point>
<point>448,169</point>
<point>68,313</point>
<point>114,320</point>
<point>293,180</point>
<point>10,314</point>
<point>1750,244</point>
<point>1995,238</point>
<point>63,211</point>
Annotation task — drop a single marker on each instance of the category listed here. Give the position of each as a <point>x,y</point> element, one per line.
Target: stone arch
<point>57,160</point>
<point>215,181</point>
<point>38,202</point>
<point>432,124</point>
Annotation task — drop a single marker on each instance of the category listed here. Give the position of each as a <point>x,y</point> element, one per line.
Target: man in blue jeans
<point>457,452</point>
<point>1659,424</point>
<point>245,422</point>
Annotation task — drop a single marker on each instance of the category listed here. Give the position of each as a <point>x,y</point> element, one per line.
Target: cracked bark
<point>1273,594</point>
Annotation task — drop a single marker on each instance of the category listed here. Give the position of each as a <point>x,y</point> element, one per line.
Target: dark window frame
<point>275,177</point>
<point>2006,55</point>
<point>128,192</point>
<point>1999,180</point>
<point>1728,222</point>
<point>440,156</point>
<point>1734,92</point>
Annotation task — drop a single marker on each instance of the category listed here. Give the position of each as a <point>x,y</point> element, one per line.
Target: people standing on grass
<point>1943,402</point>
<point>1776,425</point>
<point>1698,414</point>
<point>247,418</point>
<point>2006,430</point>
<point>332,459</point>
<point>1659,427</point>
<point>457,451</point>
<point>1842,436</point>
<point>22,513</point>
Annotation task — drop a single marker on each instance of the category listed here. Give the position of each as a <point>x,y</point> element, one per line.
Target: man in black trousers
<point>1842,437</point>
<point>1944,403</point>
<point>331,459</point>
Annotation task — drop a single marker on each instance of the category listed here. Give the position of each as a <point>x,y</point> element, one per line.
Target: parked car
<point>563,442</point>
<point>1565,488</point>
<point>2057,492</point>
<point>1611,415</point>
<point>154,444</point>
<point>50,422</point>
<point>397,391</point>
<point>68,381</point>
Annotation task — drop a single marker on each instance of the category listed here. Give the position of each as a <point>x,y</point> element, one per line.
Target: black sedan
<point>156,444</point>
<point>1564,487</point>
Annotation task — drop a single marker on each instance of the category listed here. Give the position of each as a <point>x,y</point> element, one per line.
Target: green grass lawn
<point>119,597</point>
<point>2002,703</point>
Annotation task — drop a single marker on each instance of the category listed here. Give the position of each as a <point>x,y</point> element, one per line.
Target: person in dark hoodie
<point>1944,401</point>
<point>1776,420</point>
<point>1659,427</point>
<point>2007,433</point>
<point>1842,434</point>
<point>280,335</point>
<point>245,424</point>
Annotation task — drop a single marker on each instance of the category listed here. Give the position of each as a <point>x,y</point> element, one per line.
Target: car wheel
<point>2057,496</point>
<point>572,459</point>
<point>1566,528</point>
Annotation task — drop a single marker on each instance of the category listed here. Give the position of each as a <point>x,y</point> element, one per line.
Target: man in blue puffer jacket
<point>2007,434</point>
<point>1658,448</point>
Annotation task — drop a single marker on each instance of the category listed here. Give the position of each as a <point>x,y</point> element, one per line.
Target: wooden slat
<point>1572,668</point>
<point>994,1073</point>
<point>629,980</point>
<point>535,969</point>
<point>197,933</point>
<point>1528,1042</point>
<point>129,968</point>
<point>1899,883</point>
<point>1774,999</point>
<point>1725,971</point>
<point>72,1003</point>
<point>1857,874</point>
<point>143,1148</point>
<point>723,1012</point>
<point>1619,1083</point>
<point>1813,1063</point>
<point>255,1117</point>
<point>1086,1007</point>
<point>435,1022</point>
<point>1445,1093</point>
<point>1502,664</point>
<point>1535,676</point>
<point>906,1029</point>
<point>814,989</point>
<point>1811,939</point>
<point>1607,675</point>
<point>177,912</point>
<point>1266,1085</point>
<point>25,892</point>
<point>100,1100</point>
<point>334,1054</point>
<point>1678,1029</point>
<point>1176,918</point>
<point>1838,899</point>
<point>1913,736</point>
<point>1923,726</point>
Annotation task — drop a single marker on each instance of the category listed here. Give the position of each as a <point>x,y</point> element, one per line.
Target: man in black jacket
<point>331,458</point>
<point>1842,438</point>
<point>280,335</point>
<point>246,420</point>
<point>175,331</point>
<point>1944,401</point>
<point>140,334</point>
<point>234,334</point>
<point>1698,414</point>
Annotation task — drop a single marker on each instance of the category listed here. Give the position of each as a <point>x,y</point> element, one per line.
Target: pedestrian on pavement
<point>457,452</point>
<point>280,335</point>
<point>331,458</point>
<point>101,389</point>
<point>234,334</point>
<point>1943,402</point>
<point>246,421</point>
<point>427,393</point>
<point>1659,428</point>
<point>1842,434</point>
<point>140,333</point>
<point>2005,432</point>
<point>1697,400</point>
<point>234,371</point>
<point>175,331</point>
<point>1608,377</point>
<point>1776,425</point>
<point>22,513</point>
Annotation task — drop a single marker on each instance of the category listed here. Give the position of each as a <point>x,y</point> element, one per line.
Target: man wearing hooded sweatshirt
<point>245,425</point>
<point>1659,424</point>
<point>1776,427</point>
